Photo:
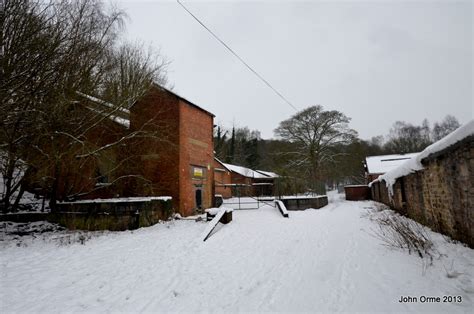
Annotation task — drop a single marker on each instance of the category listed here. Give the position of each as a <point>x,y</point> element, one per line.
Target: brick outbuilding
<point>248,182</point>
<point>375,166</point>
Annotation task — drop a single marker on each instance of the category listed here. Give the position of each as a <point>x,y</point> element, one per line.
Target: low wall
<point>441,195</point>
<point>357,192</point>
<point>113,214</point>
<point>305,203</point>
<point>24,217</point>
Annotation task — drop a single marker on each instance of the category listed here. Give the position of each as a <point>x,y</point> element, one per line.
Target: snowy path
<point>317,260</point>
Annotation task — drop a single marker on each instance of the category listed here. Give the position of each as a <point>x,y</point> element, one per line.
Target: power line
<point>238,57</point>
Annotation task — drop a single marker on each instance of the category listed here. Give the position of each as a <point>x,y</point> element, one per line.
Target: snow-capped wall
<point>415,164</point>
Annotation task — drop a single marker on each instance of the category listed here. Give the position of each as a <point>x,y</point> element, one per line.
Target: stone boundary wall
<point>305,203</point>
<point>441,195</point>
<point>114,215</point>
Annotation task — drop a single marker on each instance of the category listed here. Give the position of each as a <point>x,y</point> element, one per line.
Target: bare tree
<point>132,71</point>
<point>448,125</point>
<point>30,44</point>
<point>50,52</point>
<point>407,138</point>
<point>315,132</point>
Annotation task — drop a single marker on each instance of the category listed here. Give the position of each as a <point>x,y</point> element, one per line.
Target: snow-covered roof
<point>118,115</point>
<point>104,103</point>
<point>268,173</point>
<point>122,121</point>
<point>385,163</point>
<point>246,172</point>
<point>223,164</point>
<point>414,164</point>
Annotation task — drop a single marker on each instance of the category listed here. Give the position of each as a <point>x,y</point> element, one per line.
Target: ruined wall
<point>441,195</point>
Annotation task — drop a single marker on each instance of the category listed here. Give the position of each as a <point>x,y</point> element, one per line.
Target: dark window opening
<point>199,199</point>
<point>404,197</point>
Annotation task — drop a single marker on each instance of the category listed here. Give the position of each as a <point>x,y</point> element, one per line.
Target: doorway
<point>198,198</point>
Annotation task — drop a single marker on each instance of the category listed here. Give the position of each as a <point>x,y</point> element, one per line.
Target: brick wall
<point>221,176</point>
<point>184,141</point>
<point>243,190</point>
<point>196,150</point>
<point>77,177</point>
<point>154,159</point>
<point>441,195</point>
<point>357,193</point>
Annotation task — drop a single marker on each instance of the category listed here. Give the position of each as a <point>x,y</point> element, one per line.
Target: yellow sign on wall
<point>198,172</point>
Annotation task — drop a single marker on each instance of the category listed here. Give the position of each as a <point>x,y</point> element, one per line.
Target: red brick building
<point>165,148</point>
<point>222,179</point>
<point>178,161</point>
<point>247,182</point>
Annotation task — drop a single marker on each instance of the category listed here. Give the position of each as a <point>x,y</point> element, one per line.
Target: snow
<point>212,225</point>
<point>102,102</point>
<point>122,121</point>
<point>220,162</point>
<point>415,164</point>
<point>385,163</point>
<point>282,207</point>
<point>324,260</point>
<point>268,173</point>
<point>214,210</point>
<point>121,111</point>
<point>246,172</point>
<point>121,199</point>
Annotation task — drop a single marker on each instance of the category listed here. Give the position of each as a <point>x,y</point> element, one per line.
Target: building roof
<point>269,173</point>
<point>223,164</point>
<point>181,98</point>
<point>115,113</point>
<point>385,163</point>
<point>246,172</point>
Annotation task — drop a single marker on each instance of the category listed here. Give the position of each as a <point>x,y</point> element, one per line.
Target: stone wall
<point>441,195</point>
<point>305,203</point>
<point>114,216</point>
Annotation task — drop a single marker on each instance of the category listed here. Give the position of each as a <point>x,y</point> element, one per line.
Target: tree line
<point>317,148</point>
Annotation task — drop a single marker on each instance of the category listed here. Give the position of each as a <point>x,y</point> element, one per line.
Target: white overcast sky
<point>376,61</point>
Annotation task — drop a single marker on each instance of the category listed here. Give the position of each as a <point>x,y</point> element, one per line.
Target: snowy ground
<point>317,260</point>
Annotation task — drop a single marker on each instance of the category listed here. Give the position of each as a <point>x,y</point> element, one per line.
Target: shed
<point>378,165</point>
